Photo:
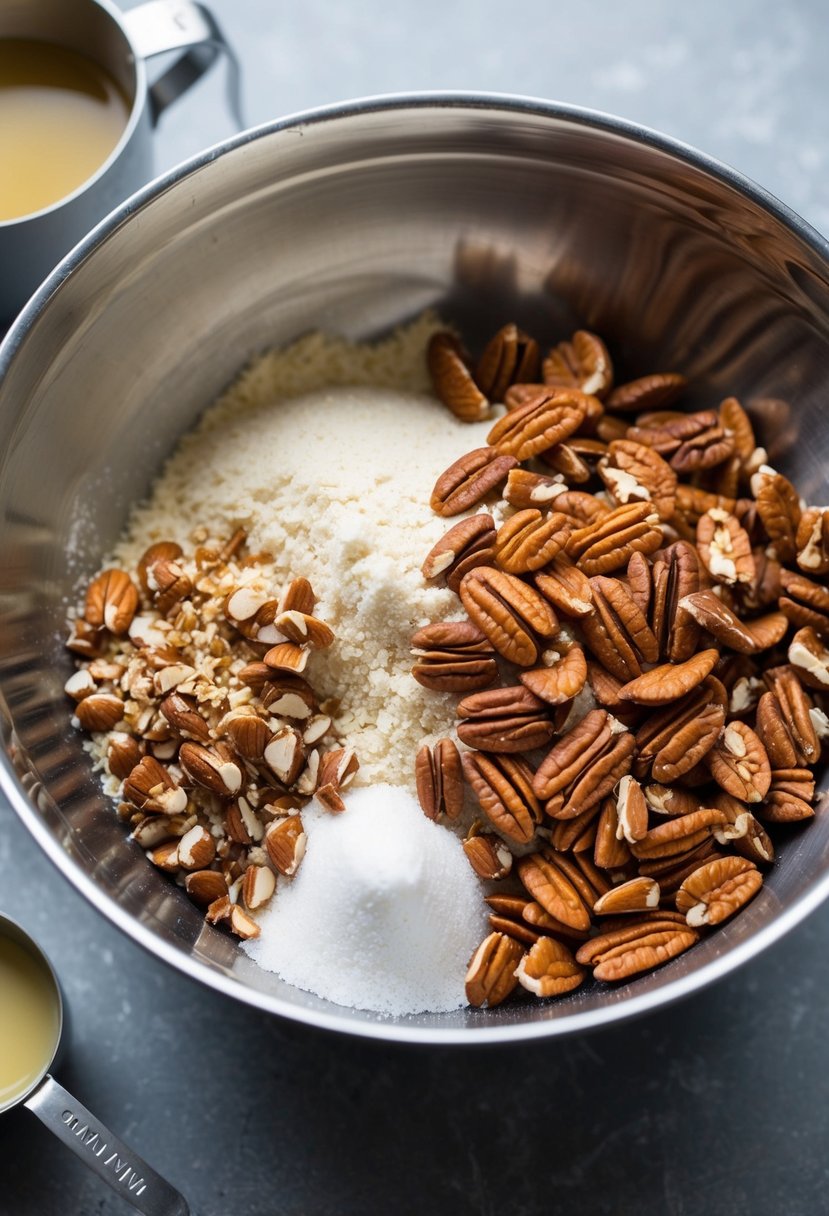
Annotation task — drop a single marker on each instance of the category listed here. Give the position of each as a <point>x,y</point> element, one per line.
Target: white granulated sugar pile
<point>384,913</point>
<point>335,483</point>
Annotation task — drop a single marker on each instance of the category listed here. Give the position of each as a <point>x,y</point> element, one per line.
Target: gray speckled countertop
<point>717,1106</point>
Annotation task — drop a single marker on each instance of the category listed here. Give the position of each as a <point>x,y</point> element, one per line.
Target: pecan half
<point>439,780</point>
<point>739,763</point>
<point>469,479</point>
<point>812,541</point>
<point>790,795</point>
<point>540,423</point>
<point>724,547</point>
<point>467,544</point>
<point>452,379</point>
<point>779,508</point>
<point>512,615</point>
<point>567,462</point>
<point>525,489</point>
<point>453,656</point>
<point>620,953</point>
<point>582,509</point>
<point>633,472</point>
<point>677,835</point>
<point>608,544</point>
<point>690,442</point>
<point>547,881</point>
<point>804,602</point>
<point>488,855</point>
<point>654,392</point>
<point>503,787</point>
<point>509,356</point>
<point>504,720</point>
<point>709,611</point>
<point>491,977</point>
<point>741,830</point>
<point>673,741</point>
<point>785,727</point>
<point>617,630</point>
<point>717,890</point>
<point>529,540</point>
<point>734,418</point>
<point>676,574</point>
<point>631,811</point>
<point>585,764</point>
<point>581,363</point>
<point>561,678</point>
<point>566,587</point>
<point>609,851</point>
<point>636,895</point>
<point>810,659</point>
<point>670,681</point>
<point>549,969</point>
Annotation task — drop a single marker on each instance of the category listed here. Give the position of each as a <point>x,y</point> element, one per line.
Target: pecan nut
<point>804,602</point>
<point>581,363</point>
<point>561,678</point>
<point>504,720</point>
<point>585,764</point>
<point>467,544</point>
<point>779,509</point>
<point>512,615</point>
<point>621,953</point>
<point>531,490</point>
<point>670,681</point>
<point>636,895</point>
<point>717,890</point>
<point>633,472</point>
<point>812,541</point>
<point>469,479</point>
<point>488,855</point>
<point>566,587</point>
<point>491,977</point>
<point>739,763</point>
<point>540,423</point>
<point>617,630</point>
<point>549,969</point>
<point>452,380</point>
<point>453,656</point>
<point>503,787</point>
<point>654,392</point>
<point>810,659</point>
<point>529,540</point>
<point>678,835</point>
<point>510,356</point>
<point>439,780</point>
<point>545,879</point>
<point>607,545</point>
<point>724,547</point>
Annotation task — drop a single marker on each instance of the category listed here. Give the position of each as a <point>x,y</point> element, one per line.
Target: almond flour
<point>334,482</point>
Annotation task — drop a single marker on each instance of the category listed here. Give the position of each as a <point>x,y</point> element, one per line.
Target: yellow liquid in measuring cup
<point>28,1019</point>
<point>60,117</point>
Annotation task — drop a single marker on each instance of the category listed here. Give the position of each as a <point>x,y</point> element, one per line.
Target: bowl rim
<point>370,1027</point>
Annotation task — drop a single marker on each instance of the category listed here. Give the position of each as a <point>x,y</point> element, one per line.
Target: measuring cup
<point>28,978</point>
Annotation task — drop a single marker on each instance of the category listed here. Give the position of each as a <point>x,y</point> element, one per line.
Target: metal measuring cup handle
<point>103,1152</point>
<point>162,26</point>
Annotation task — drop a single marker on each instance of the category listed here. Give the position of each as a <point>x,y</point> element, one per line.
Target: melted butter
<point>29,1020</point>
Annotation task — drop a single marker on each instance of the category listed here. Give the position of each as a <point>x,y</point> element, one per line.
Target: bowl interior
<point>353,220</point>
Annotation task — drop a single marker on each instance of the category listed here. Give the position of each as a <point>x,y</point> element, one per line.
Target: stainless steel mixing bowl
<point>353,218</point>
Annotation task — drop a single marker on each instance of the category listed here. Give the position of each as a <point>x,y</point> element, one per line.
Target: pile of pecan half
<point>642,665</point>
<point>190,682</point>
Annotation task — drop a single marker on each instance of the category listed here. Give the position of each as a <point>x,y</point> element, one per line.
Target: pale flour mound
<point>335,483</point>
<point>384,912</point>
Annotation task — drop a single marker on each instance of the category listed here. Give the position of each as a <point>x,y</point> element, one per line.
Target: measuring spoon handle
<point>103,1152</point>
